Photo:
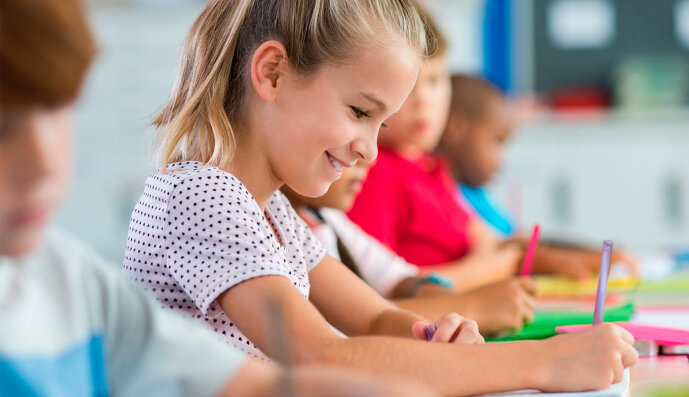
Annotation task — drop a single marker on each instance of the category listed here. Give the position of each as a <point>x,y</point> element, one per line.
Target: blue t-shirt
<point>71,326</point>
<point>491,212</point>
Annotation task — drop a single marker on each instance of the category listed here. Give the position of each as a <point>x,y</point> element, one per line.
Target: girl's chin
<point>311,191</point>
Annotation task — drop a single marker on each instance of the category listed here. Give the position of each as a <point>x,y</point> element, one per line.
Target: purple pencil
<point>602,282</point>
<point>430,331</point>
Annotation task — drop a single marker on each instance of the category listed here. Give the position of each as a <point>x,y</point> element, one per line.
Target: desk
<point>653,373</point>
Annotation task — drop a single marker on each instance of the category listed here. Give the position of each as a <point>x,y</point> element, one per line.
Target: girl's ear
<point>268,65</point>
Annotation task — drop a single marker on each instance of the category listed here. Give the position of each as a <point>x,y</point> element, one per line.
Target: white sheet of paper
<point>617,390</point>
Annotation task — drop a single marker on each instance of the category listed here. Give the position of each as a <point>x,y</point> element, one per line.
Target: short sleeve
<point>153,352</point>
<point>215,238</point>
<point>313,249</point>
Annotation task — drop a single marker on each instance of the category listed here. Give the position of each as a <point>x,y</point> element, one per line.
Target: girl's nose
<point>366,146</point>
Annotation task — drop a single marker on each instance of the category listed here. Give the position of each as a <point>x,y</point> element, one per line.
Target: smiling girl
<point>274,92</point>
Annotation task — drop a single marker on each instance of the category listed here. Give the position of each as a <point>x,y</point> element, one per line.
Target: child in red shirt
<point>411,205</point>
<point>409,200</point>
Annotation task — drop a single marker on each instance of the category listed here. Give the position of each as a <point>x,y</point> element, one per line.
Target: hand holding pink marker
<point>531,251</point>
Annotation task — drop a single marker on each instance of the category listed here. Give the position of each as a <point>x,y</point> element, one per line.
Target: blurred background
<point>602,86</point>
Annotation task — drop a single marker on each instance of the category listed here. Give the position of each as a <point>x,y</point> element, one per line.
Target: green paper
<point>545,321</point>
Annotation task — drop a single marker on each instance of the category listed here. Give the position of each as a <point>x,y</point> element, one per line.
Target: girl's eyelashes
<point>360,113</point>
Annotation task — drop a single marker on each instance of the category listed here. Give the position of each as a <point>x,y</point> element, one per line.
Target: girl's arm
<point>335,291</point>
<point>261,379</point>
<point>581,361</point>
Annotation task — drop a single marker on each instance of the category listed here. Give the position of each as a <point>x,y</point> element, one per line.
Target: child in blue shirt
<point>479,124</point>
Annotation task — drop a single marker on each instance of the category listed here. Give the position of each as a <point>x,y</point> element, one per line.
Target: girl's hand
<point>451,328</point>
<point>591,359</point>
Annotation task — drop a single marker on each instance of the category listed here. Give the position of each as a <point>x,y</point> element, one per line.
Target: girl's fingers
<point>529,284</point>
<point>419,330</point>
<point>454,328</point>
<point>447,328</point>
<point>629,355</point>
<point>618,372</point>
<point>468,333</point>
<point>626,336</point>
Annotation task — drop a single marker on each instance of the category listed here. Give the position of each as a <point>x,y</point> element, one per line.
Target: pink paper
<point>662,335</point>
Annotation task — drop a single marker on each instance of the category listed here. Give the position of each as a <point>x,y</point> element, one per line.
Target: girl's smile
<point>338,165</point>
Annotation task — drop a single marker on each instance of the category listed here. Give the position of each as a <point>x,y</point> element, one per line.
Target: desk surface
<point>651,373</point>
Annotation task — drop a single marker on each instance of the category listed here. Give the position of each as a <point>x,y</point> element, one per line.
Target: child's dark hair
<point>472,95</point>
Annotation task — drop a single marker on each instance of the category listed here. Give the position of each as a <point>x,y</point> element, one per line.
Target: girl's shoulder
<point>196,177</point>
<point>193,169</point>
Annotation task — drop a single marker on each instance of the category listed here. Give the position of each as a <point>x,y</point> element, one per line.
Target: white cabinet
<point>623,176</point>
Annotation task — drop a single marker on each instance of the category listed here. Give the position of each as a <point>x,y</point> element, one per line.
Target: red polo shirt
<point>413,208</point>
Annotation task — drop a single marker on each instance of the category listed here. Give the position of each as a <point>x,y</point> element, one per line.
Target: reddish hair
<point>46,47</point>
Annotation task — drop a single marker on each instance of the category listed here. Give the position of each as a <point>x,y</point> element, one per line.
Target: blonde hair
<point>210,92</point>
<point>436,41</point>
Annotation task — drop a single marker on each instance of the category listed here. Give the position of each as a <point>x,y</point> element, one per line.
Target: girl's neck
<point>254,171</point>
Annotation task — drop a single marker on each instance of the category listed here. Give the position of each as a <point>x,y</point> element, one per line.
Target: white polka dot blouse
<point>197,231</point>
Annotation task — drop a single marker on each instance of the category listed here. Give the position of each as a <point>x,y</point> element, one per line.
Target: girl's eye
<point>358,113</point>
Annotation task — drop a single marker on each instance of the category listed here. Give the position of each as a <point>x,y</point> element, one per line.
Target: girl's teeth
<point>337,164</point>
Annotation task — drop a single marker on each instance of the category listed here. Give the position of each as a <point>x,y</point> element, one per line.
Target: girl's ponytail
<point>197,98</point>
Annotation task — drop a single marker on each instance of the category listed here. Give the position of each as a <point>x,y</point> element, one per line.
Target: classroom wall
<point>460,21</point>
<point>619,175</point>
<point>130,80</point>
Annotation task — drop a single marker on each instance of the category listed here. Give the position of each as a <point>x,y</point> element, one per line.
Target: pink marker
<point>531,250</point>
